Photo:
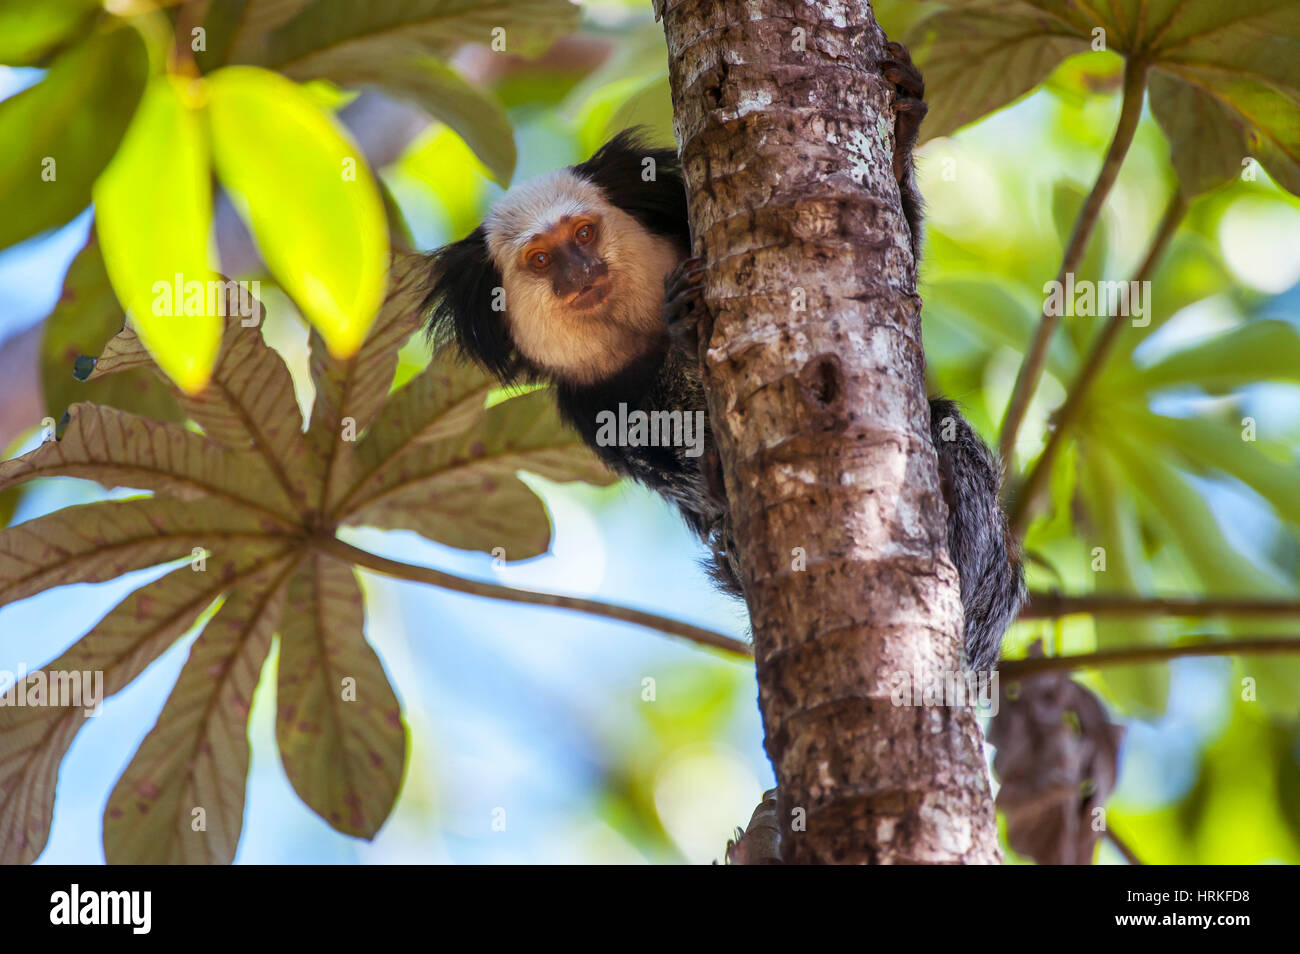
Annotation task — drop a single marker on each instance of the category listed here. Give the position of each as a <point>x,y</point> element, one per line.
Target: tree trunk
<point>816,392</point>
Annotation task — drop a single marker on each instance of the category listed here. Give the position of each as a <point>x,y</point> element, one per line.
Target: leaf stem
<point>448,581</point>
<point>1046,605</point>
<point>1260,646</point>
<point>1068,413</point>
<point>1031,369</point>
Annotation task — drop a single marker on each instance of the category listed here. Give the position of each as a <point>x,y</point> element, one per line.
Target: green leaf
<point>153,208</point>
<point>441,92</point>
<point>329,33</point>
<point>86,317</point>
<point>196,756</point>
<point>977,61</point>
<point>338,724</point>
<point>1256,351</point>
<point>308,197</point>
<point>999,312</point>
<point>1112,523</point>
<point>28,31</point>
<point>449,170</point>
<point>60,134</point>
<point>34,739</point>
<point>1219,447</point>
<point>1241,60</point>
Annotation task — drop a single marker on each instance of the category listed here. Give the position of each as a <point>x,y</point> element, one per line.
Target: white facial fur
<point>575,346</point>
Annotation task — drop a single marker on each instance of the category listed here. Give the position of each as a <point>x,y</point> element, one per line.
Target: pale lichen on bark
<point>822,424</point>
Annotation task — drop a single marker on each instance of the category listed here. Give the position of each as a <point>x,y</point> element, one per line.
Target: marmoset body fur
<point>600,301</point>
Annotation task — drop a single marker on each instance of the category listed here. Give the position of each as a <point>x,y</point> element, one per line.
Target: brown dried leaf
<point>338,724</point>
<point>1057,759</point>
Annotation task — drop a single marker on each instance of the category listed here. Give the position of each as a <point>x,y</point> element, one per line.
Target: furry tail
<point>986,556</point>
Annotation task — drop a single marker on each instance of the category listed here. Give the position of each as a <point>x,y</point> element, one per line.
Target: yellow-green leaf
<point>153,207</point>
<point>86,317</point>
<point>306,193</point>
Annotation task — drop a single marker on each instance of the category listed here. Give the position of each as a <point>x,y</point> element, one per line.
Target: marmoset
<point>600,297</point>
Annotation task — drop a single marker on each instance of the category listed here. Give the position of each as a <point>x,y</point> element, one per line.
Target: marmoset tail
<point>593,261</point>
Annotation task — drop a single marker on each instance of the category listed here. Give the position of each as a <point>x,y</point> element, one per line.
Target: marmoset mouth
<point>591,295</point>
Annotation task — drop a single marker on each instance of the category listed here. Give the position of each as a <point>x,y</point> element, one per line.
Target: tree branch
<point>1068,414</point>
<point>1122,847</point>
<point>1032,367</point>
<point>1259,646</point>
<point>448,581</point>
<point>1044,605</point>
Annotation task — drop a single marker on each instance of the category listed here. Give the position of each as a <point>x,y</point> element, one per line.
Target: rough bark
<point>822,425</point>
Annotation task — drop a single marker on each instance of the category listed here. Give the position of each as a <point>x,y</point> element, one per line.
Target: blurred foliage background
<point>538,735</point>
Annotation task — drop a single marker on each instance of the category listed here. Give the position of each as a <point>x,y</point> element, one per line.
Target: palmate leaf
<point>118,449</point>
<point>34,739</point>
<point>256,497</point>
<point>350,393</point>
<point>464,491</point>
<point>1224,78</point>
<point>196,757</point>
<point>338,724</point>
<point>247,405</point>
<point>95,542</point>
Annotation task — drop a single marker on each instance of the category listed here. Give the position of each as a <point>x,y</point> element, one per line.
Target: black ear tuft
<point>619,168</point>
<point>464,283</point>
